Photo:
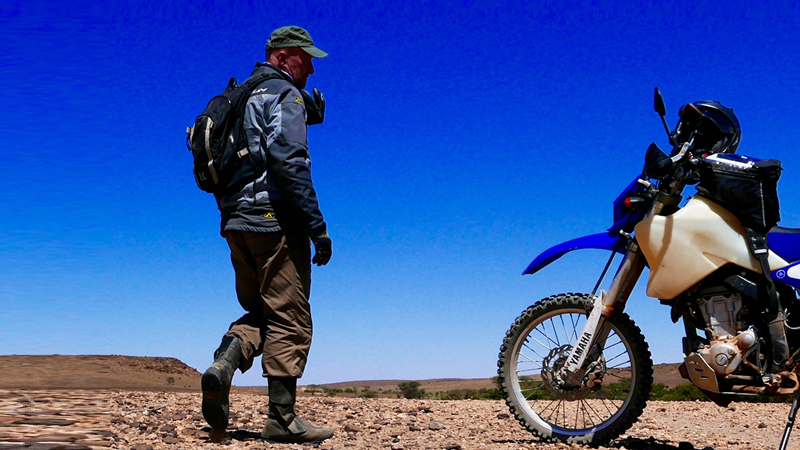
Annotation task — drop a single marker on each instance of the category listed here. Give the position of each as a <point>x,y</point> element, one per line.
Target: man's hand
<point>322,249</point>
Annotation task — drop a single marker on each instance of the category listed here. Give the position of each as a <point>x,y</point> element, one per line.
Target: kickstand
<point>790,421</point>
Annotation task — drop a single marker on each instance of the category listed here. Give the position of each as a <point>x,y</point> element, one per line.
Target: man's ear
<point>279,57</point>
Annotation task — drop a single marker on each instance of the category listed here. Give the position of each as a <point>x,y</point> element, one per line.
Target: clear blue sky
<point>460,141</point>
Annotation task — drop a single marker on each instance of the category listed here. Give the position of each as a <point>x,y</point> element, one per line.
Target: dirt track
<point>73,420</point>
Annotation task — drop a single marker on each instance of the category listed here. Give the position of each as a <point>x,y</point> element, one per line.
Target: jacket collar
<point>267,67</point>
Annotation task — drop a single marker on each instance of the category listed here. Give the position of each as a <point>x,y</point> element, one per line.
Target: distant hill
<point>96,372</point>
<point>170,374</point>
<point>666,374</point>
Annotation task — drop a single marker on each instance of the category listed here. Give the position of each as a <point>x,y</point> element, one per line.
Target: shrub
<point>682,392</point>
<point>331,392</point>
<point>366,393</point>
<point>170,380</point>
<point>410,389</point>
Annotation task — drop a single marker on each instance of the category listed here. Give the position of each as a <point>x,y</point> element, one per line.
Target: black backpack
<point>222,160</point>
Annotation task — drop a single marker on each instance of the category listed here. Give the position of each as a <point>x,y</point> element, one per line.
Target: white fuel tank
<point>687,246</point>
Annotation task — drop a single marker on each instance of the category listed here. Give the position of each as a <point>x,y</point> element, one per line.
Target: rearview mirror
<point>658,103</point>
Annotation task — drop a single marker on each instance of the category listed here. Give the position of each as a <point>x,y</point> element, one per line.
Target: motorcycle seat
<point>785,242</point>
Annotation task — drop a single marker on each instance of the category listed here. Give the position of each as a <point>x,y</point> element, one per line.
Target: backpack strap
<point>250,85</point>
<point>773,313</point>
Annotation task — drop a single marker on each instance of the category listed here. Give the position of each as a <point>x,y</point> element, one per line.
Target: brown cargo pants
<point>273,282</point>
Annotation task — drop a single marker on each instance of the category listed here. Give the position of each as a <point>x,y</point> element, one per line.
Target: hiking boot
<point>298,432</point>
<point>216,382</point>
<point>283,426</point>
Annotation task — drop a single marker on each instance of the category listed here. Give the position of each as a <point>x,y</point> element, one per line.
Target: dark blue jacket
<point>283,197</point>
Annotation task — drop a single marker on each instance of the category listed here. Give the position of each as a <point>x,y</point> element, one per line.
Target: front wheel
<point>602,403</point>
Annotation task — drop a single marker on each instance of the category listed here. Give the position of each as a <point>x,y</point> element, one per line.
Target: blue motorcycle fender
<point>600,241</point>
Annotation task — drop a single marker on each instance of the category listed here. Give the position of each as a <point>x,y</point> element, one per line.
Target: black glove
<point>322,249</point>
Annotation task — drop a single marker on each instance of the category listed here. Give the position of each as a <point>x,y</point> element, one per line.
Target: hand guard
<point>315,107</point>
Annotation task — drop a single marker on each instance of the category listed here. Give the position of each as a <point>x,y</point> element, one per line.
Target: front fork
<point>595,333</point>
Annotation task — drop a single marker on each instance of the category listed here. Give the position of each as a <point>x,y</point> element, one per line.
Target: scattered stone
<point>436,425</point>
<point>142,447</point>
<point>56,438</point>
<point>92,444</point>
<point>762,425</point>
<point>503,416</point>
<point>44,421</point>
<point>168,428</point>
<point>169,440</point>
<point>452,447</point>
<point>352,429</point>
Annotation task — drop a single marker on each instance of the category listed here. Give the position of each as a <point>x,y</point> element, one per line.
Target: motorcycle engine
<point>728,338</point>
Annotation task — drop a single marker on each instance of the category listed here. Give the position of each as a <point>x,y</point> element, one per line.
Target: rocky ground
<point>144,420</point>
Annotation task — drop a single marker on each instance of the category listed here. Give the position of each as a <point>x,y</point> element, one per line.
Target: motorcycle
<point>575,368</point>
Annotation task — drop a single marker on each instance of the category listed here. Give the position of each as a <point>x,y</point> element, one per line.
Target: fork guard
<point>601,241</point>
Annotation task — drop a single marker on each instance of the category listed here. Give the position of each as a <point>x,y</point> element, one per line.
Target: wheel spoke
<point>604,402</point>
<point>555,332</point>
<point>546,336</point>
<point>548,407</point>
<point>537,341</point>
<point>624,352</point>
<point>575,321</point>
<point>537,388</point>
<point>589,408</point>
<point>576,416</point>
<point>534,351</point>
<point>564,326</point>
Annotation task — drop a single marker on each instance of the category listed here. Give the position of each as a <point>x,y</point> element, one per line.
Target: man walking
<point>268,225</point>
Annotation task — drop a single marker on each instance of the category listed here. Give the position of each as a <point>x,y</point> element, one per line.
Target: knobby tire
<point>535,341</point>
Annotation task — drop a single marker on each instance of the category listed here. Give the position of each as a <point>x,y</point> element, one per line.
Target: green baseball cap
<point>287,37</point>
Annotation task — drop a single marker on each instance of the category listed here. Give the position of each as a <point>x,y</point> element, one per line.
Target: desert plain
<point>116,402</point>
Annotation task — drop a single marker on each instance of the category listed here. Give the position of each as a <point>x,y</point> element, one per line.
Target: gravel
<point>142,420</point>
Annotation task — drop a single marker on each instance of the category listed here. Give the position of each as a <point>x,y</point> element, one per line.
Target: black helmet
<point>717,130</point>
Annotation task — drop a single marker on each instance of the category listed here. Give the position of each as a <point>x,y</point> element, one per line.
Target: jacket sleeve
<point>289,162</point>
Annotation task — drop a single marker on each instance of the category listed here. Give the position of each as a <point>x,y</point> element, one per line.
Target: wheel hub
<point>558,381</point>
